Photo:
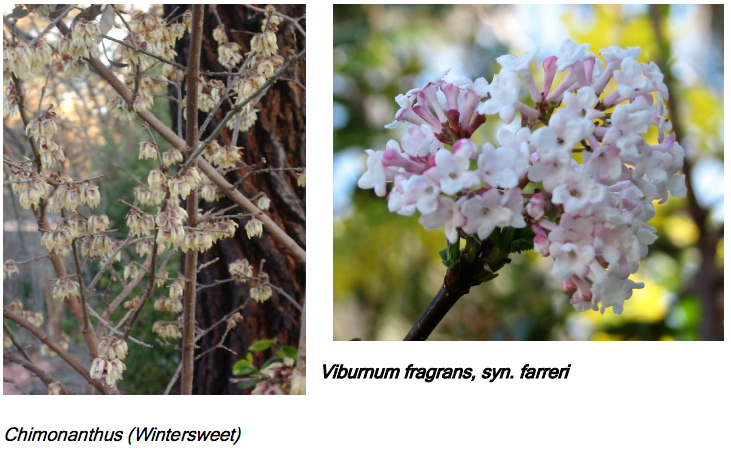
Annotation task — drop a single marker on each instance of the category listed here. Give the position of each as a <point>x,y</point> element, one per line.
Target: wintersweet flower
<point>254,228</point>
<point>595,175</point>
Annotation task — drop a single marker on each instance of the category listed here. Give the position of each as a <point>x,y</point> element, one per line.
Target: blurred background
<point>387,267</point>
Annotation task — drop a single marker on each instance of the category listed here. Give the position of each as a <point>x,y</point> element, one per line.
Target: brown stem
<point>10,335</point>
<point>299,379</point>
<point>435,312</point>
<point>30,327</point>
<point>471,270</point>
<point>191,257</point>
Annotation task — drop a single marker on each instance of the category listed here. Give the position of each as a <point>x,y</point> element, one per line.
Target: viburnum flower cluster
<point>594,142</point>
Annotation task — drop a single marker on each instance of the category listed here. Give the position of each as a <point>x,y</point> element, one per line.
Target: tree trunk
<point>276,140</point>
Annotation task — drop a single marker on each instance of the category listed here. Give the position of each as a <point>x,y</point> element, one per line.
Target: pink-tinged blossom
<point>465,147</point>
<point>536,206</point>
<point>502,167</point>
<point>549,73</point>
<point>504,91</point>
<point>393,157</point>
<point>452,172</point>
<point>656,77</point>
<point>628,123</point>
<point>616,53</point>
<point>375,175</point>
<point>590,218</point>
<point>563,133</point>
<point>421,191</point>
<point>521,65</point>
<point>396,201</point>
<point>578,193</point>
<point>570,259</point>
<point>631,81</point>
<point>582,104</point>
<point>491,210</point>
<point>420,141</point>
<point>613,291</point>
<point>447,216</point>
<point>572,53</point>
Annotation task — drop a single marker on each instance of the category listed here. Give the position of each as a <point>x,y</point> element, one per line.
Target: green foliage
<point>261,345</point>
<point>246,366</point>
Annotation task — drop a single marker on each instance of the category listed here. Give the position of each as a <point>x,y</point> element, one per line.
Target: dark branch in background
<point>708,277</point>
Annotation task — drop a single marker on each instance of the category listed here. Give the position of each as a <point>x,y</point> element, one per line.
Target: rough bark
<point>278,137</point>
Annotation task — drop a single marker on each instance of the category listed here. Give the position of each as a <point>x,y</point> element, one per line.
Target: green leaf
<point>262,345</point>
<point>443,255</point>
<point>522,241</point>
<point>450,263</point>
<point>247,384</point>
<point>290,351</point>
<point>268,361</point>
<point>243,367</point>
<point>249,357</point>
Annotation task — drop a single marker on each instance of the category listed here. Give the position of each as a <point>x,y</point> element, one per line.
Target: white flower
<point>572,53</point>
<point>420,141</point>
<point>616,53</point>
<point>502,167</point>
<point>571,259</point>
<point>578,192</point>
<point>447,216</point>
<point>504,91</point>
<point>518,64</point>
<point>629,122</point>
<point>452,172</point>
<point>630,79</point>
<point>492,209</point>
<point>375,176</point>
<point>612,292</point>
<point>652,71</point>
<point>421,191</point>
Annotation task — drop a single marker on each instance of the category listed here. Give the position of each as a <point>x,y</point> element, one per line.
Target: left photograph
<point>154,172</point>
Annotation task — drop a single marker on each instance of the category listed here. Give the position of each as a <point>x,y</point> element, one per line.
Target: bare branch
<point>27,325</point>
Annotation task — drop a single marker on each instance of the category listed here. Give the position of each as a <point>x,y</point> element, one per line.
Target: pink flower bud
<point>549,72</point>
<point>536,206</point>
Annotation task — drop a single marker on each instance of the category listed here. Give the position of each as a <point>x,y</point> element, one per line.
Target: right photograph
<point>528,172</point>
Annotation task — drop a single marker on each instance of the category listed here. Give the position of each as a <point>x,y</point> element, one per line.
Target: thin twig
<point>42,375</point>
<point>27,325</point>
<point>10,335</point>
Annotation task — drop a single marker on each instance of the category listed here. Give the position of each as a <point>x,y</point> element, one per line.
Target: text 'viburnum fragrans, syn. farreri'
<point>594,174</point>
